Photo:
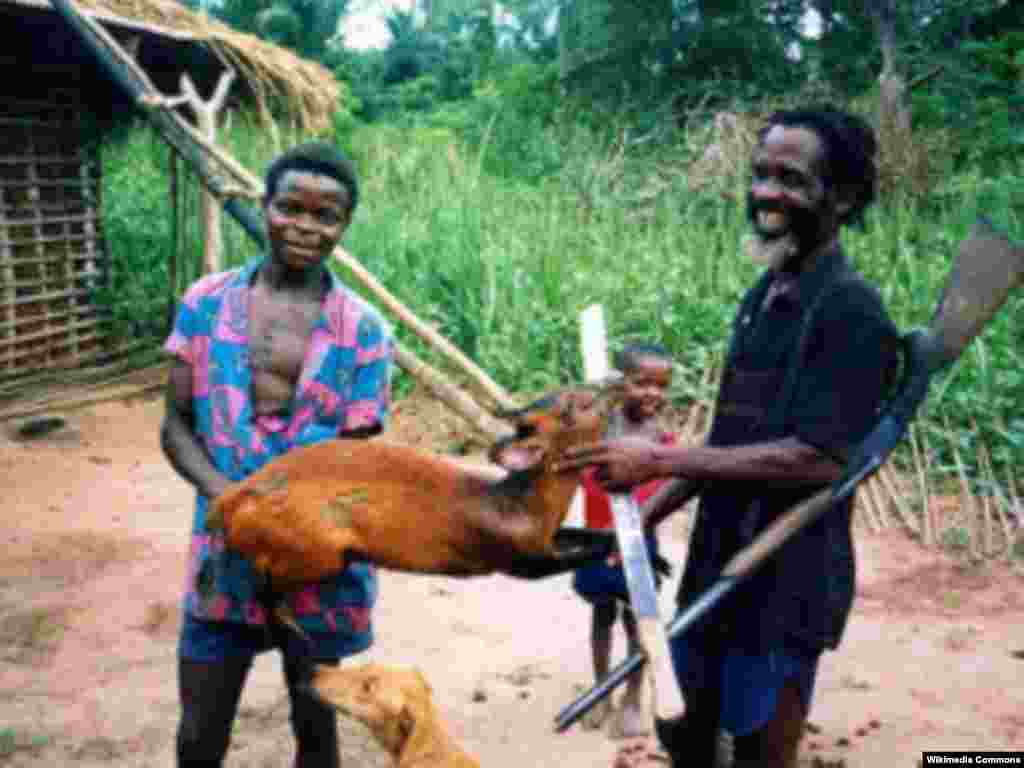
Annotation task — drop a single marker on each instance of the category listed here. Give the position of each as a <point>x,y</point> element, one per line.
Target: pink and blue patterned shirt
<point>344,385</point>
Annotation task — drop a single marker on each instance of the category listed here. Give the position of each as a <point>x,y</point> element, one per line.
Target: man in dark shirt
<point>810,358</point>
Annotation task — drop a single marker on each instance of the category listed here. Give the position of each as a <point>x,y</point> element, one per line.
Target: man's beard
<point>774,253</point>
<point>786,249</point>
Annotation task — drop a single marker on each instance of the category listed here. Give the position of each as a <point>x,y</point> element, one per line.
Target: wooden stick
<point>16,382</point>
<point>47,297</point>
<point>47,239</point>
<point>878,497</point>
<point>927,529</point>
<point>172,260</point>
<point>425,332</point>
<point>1011,487</point>
<point>6,277</point>
<point>206,116</point>
<point>997,502</point>
<point>449,394</point>
<point>864,503</point>
<point>986,512</point>
<point>880,501</point>
<point>48,182</point>
<point>78,218</point>
<point>968,509</point>
<point>92,378</point>
<point>886,476</point>
<point>42,282</point>
<point>79,401</point>
<point>51,332</point>
<point>1014,504</point>
<point>689,430</point>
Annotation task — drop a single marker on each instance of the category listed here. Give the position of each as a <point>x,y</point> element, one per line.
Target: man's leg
<point>775,745</point>
<point>314,723</point>
<point>209,693</point>
<point>692,740</point>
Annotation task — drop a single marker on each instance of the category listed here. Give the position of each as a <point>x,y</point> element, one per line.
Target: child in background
<point>647,372</point>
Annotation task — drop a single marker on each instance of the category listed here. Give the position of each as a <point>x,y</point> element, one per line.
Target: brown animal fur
<point>304,515</point>
<point>395,703</point>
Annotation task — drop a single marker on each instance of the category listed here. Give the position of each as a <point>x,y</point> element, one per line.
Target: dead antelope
<point>395,703</point>
<point>308,513</point>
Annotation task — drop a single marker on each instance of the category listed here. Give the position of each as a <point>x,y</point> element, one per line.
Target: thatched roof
<point>306,89</point>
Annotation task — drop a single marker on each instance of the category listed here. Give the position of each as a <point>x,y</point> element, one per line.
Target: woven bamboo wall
<point>52,253</point>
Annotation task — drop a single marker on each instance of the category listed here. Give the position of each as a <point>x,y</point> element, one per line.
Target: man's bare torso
<point>279,331</point>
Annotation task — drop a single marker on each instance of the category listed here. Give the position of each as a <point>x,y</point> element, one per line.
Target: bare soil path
<point>93,534</point>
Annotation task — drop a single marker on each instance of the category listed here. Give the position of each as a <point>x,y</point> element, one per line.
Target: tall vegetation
<point>520,166</point>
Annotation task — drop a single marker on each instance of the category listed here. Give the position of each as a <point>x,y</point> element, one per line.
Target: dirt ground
<point>94,527</point>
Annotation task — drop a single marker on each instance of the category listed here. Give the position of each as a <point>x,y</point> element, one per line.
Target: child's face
<point>645,388</point>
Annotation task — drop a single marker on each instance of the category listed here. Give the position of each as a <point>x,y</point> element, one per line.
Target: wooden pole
<point>450,395</point>
<point>206,118</point>
<point>172,261</point>
<point>425,332</point>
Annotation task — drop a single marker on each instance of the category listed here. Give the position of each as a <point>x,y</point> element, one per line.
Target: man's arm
<point>179,441</point>
<point>788,462</point>
<point>627,462</point>
<point>836,403</point>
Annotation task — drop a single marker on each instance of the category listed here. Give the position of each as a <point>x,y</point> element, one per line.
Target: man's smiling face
<point>789,203</point>
<point>306,217</point>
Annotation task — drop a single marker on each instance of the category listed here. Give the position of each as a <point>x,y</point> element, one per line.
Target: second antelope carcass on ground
<point>308,513</point>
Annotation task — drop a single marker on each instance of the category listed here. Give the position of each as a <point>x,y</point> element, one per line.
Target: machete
<point>987,268</point>
<point>667,698</point>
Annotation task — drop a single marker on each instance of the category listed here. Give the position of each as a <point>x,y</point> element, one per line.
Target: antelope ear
<point>516,456</point>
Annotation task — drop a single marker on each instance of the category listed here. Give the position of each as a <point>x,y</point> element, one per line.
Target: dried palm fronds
<point>307,90</point>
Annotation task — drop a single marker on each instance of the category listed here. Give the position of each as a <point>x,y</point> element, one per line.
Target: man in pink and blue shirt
<point>268,357</point>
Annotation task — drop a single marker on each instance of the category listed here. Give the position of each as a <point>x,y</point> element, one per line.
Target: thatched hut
<point>52,249</point>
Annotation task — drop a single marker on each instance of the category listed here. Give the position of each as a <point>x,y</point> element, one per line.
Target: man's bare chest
<point>279,333</point>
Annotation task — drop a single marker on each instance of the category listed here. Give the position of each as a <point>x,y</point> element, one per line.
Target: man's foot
<point>597,716</point>
<point>642,752</point>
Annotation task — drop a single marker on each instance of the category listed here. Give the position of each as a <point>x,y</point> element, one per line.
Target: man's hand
<point>621,464</point>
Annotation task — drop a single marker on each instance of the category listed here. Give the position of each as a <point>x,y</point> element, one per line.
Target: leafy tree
<point>305,26</point>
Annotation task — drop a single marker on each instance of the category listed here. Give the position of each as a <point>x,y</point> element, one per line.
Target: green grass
<point>502,266</point>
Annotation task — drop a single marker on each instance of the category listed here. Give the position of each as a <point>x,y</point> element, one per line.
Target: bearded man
<point>809,363</point>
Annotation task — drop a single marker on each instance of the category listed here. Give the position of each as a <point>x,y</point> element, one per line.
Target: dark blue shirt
<point>829,398</point>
